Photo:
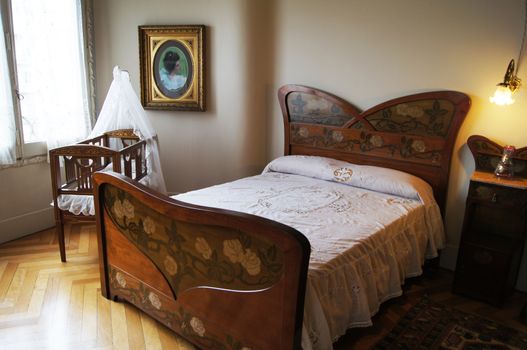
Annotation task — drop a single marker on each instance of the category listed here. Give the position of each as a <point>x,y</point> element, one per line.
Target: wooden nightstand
<point>494,228</point>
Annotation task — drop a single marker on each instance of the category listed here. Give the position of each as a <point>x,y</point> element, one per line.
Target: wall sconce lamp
<point>511,82</point>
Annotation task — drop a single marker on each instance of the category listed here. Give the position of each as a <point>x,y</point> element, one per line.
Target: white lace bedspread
<point>364,243</point>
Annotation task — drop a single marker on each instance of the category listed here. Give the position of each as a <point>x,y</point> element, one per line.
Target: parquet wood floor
<point>45,304</point>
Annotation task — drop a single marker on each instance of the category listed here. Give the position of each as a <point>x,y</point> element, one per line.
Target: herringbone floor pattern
<point>45,304</point>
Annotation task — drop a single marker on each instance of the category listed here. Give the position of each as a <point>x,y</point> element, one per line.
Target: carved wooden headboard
<point>415,133</point>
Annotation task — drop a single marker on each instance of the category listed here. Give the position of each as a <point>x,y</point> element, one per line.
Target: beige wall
<point>228,140</point>
<point>369,52</point>
<point>25,197</point>
<point>363,51</point>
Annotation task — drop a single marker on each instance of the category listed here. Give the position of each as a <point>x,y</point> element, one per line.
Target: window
<point>44,102</point>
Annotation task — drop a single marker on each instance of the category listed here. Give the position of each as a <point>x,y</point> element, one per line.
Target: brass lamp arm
<point>510,80</point>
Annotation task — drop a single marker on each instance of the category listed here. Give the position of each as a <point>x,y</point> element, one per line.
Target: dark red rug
<point>429,325</point>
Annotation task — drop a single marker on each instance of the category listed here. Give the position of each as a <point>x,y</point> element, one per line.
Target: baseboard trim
<point>26,224</point>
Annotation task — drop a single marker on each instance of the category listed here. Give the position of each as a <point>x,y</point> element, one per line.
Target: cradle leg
<point>60,235</point>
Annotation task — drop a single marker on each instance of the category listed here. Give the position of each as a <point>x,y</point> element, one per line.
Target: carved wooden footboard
<point>221,279</point>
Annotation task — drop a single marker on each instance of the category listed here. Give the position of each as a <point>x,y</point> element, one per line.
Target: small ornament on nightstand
<point>505,166</point>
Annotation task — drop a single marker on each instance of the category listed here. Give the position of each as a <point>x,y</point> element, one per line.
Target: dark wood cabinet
<point>495,225</point>
<point>493,237</point>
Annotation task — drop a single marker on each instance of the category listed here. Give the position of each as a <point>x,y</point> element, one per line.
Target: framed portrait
<point>172,67</point>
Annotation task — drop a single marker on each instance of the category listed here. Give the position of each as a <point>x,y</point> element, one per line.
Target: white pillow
<point>310,166</point>
<point>363,176</point>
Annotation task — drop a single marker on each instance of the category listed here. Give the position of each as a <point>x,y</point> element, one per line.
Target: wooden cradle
<point>169,258</point>
<point>82,160</point>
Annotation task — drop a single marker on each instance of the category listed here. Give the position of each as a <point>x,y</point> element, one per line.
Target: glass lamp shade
<point>502,96</point>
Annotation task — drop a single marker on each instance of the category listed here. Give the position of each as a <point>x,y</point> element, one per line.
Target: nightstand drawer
<point>485,273</point>
<point>497,195</point>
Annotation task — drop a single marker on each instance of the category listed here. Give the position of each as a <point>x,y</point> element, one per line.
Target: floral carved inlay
<point>190,255</point>
<point>351,140</point>
<point>423,118</point>
<point>168,312</point>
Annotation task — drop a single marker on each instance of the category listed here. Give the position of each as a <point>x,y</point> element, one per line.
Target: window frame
<point>35,149</point>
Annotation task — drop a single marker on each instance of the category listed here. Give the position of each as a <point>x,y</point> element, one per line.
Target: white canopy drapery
<point>122,110</point>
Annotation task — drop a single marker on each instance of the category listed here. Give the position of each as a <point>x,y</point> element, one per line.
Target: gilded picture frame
<point>172,67</point>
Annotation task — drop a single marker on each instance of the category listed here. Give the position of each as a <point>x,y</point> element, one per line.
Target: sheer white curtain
<point>7,118</point>
<point>51,71</point>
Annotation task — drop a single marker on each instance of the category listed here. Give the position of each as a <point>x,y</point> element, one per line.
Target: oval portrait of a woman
<point>173,69</point>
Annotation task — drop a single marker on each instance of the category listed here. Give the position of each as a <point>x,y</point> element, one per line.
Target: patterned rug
<point>430,325</point>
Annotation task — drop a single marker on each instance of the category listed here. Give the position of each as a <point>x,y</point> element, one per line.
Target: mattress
<point>364,242</point>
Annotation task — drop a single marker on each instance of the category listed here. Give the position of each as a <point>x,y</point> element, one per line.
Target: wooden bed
<point>81,160</point>
<point>152,251</point>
